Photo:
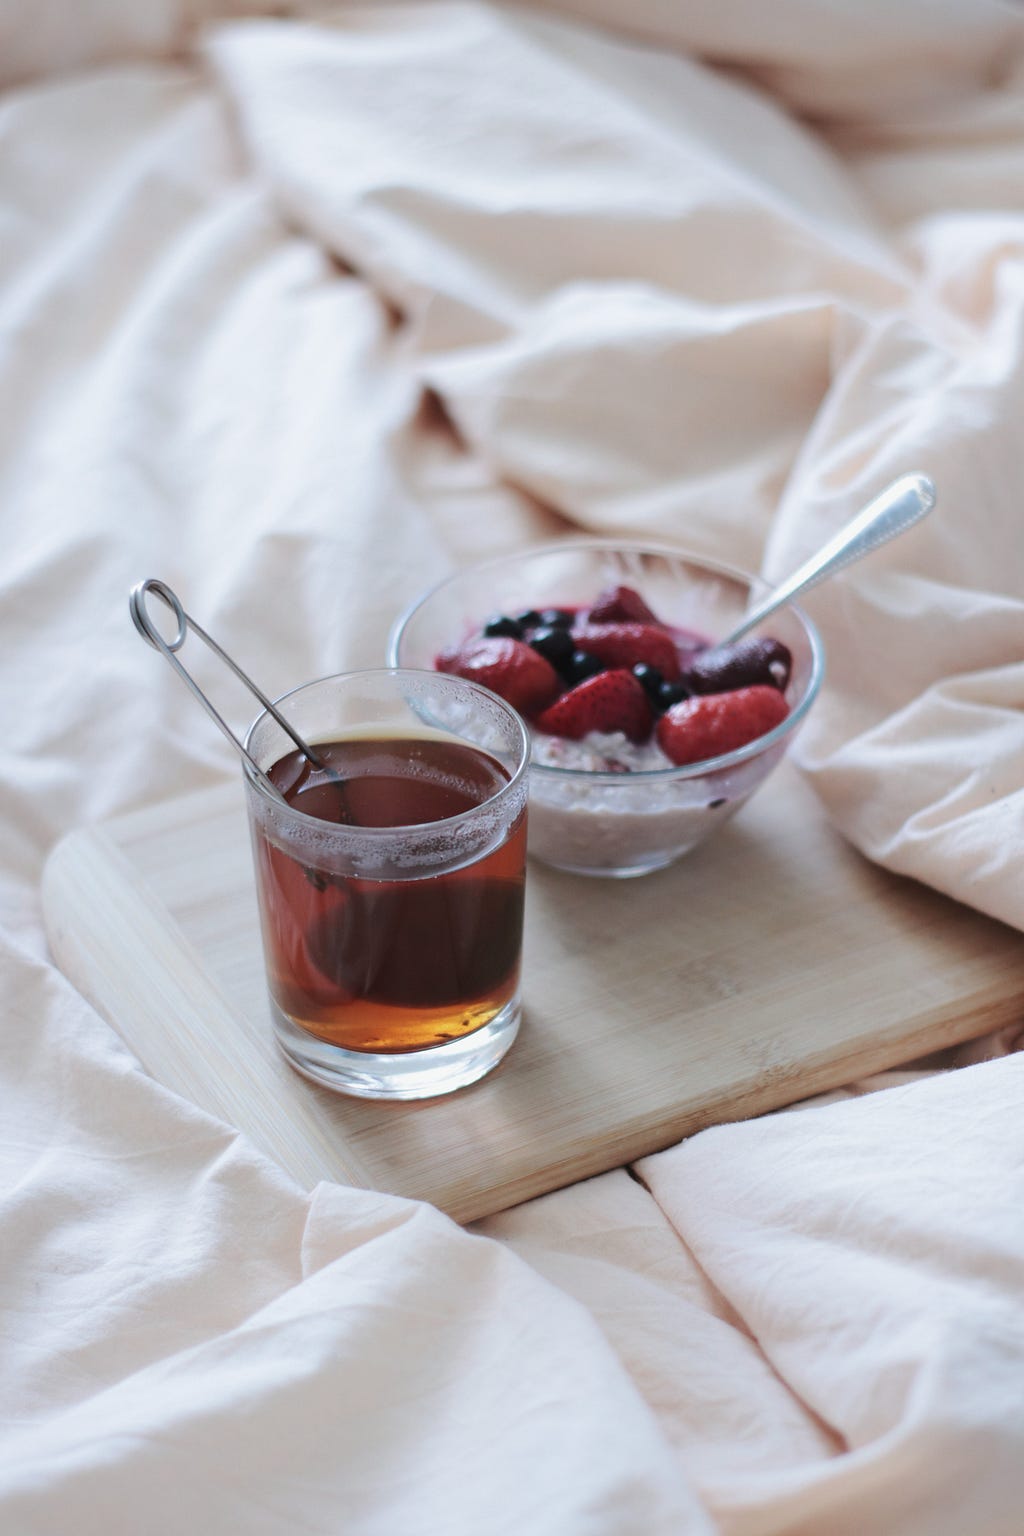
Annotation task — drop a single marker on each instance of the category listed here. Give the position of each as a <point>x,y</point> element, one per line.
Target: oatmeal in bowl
<point>646,735</point>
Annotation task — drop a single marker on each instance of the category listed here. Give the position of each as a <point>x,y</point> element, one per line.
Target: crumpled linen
<point>841,1297</point>
<point>582,292</point>
<point>297,314</point>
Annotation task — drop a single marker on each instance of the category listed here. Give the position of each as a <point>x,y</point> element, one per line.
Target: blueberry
<point>501,625</point>
<point>558,618</point>
<point>555,645</point>
<point>672,693</point>
<point>652,681</point>
<point>580,666</point>
<point>528,619</point>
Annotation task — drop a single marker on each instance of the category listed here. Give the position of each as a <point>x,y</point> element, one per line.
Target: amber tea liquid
<point>392,965</point>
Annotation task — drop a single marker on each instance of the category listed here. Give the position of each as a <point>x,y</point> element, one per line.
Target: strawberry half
<point>719,722</point>
<point>620,605</point>
<point>611,701</point>
<point>510,668</point>
<point>626,645</point>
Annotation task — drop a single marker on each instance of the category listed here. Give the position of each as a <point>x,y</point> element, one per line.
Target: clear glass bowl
<point>622,824</point>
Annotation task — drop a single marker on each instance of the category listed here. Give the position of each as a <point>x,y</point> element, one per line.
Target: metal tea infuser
<point>149,632</point>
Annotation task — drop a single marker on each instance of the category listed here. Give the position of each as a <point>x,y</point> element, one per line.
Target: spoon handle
<point>898,507</point>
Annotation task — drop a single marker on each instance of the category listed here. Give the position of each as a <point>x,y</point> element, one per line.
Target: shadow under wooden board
<point>772,963</point>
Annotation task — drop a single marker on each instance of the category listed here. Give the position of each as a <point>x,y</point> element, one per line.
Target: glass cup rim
<point>455,684</point>
<point>707,765</point>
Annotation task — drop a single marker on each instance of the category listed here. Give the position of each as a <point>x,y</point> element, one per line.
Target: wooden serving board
<point>769,964</point>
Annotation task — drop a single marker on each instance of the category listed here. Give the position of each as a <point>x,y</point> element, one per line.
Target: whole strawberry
<point>510,668</point>
<point>620,605</point>
<point>629,645</point>
<point>719,722</point>
<point>610,701</point>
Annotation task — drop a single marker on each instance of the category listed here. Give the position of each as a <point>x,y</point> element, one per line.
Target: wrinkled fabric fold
<point>597,325</point>
<point>298,314</point>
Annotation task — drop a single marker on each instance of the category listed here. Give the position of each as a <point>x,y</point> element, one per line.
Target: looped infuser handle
<point>144,624</point>
<point>147,629</point>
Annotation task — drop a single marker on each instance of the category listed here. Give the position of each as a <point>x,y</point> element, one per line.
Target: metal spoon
<point>899,506</point>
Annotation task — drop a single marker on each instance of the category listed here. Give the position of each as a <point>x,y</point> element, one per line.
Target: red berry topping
<point>719,722</point>
<point>620,605</point>
<point>628,645</point>
<point>721,668</point>
<point>611,701</point>
<point>507,667</point>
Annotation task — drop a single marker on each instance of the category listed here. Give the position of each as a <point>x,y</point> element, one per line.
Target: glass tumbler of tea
<point>391,878</point>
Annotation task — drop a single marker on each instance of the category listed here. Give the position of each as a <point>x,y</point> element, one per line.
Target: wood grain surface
<point>771,963</point>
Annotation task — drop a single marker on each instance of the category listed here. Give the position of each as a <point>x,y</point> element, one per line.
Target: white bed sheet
<point>712,281</point>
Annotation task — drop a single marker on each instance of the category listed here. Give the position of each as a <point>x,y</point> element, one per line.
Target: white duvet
<point>298,312</point>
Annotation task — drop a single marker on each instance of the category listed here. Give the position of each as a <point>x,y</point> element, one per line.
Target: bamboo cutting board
<point>769,964</point>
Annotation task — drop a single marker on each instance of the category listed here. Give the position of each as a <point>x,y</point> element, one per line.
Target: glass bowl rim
<point>705,766</point>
